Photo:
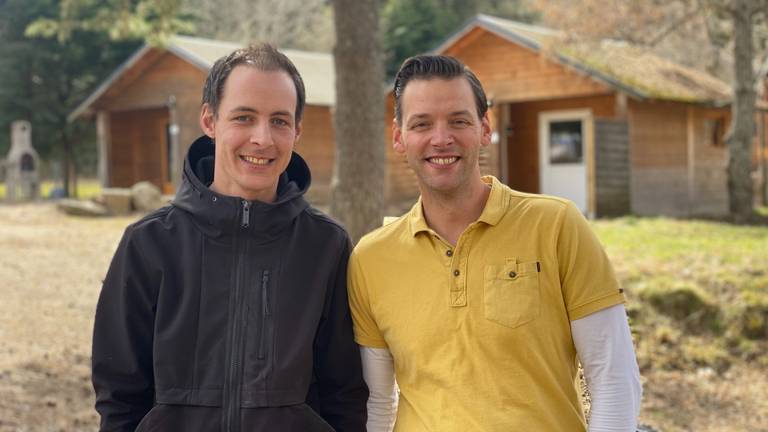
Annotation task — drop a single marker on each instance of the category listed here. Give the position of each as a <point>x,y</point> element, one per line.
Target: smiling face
<point>441,135</point>
<point>254,132</point>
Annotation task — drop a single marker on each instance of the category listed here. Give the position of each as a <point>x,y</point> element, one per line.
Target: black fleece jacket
<point>220,314</point>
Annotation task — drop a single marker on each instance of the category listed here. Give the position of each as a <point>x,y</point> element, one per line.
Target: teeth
<point>443,161</point>
<point>255,160</point>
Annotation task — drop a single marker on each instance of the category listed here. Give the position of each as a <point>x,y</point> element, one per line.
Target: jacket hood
<point>224,213</point>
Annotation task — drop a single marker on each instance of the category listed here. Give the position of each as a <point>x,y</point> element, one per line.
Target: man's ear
<point>298,133</point>
<point>397,137</point>
<point>208,121</point>
<point>485,130</point>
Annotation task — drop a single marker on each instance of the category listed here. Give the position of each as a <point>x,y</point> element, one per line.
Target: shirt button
<point>512,274</point>
<point>456,272</point>
<point>449,252</point>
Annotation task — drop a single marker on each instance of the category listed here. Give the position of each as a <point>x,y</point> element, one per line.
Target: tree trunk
<point>743,109</point>
<point>357,193</point>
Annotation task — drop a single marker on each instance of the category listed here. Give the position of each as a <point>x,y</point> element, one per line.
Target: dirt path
<point>51,267</point>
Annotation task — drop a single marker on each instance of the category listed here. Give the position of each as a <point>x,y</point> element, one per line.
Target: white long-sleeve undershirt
<point>604,346</point>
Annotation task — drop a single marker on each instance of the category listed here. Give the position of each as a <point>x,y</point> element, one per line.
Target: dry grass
<point>51,266</point>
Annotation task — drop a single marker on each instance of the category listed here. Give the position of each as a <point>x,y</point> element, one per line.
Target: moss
<point>685,303</point>
<point>754,315</point>
<point>701,353</point>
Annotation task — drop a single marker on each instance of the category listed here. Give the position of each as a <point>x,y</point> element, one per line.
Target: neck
<point>450,214</point>
<point>266,196</point>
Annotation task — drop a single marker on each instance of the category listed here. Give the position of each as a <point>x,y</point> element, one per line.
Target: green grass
<point>697,290</point>
<point>86,188</point>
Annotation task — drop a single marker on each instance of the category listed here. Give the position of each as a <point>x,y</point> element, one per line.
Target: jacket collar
<point>219,213</point>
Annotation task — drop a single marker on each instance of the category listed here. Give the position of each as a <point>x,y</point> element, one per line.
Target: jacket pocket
<point>511,292</point>
<point>180,418</point>
<point>156,420</point>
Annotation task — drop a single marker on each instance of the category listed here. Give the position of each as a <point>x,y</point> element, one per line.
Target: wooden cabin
<point>614,128</point>
<point>610,126</point>
<point>147,113</point>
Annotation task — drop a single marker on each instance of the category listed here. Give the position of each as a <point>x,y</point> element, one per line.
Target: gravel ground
<point>51,267</point>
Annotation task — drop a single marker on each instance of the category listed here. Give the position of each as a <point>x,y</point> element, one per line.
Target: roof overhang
<point>487,23</point>
<point>85,106</point>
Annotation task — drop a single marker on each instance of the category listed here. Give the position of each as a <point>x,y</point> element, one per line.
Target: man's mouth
<point>442,160</point>
<point>255,160</point>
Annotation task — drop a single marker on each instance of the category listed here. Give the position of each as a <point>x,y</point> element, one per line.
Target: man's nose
<point>261,134</point>
<point>441,135</point>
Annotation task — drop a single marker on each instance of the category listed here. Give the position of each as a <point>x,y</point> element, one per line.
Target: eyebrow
<point>242,109</point>
<point>462,112</point>
<point>282,113</point>
<point>417,117</point>
<point>252,110</point>
<point>425,115</point>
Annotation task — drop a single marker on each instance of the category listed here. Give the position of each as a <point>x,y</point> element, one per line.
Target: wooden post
<point>102,136</point>
<point>691,159</point>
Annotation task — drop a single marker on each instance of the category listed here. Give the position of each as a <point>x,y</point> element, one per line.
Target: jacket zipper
<point>246,214</point>
<point>264,312</point>
<point>232,399</point>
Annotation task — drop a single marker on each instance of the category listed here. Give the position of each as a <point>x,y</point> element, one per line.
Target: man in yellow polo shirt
<point>481,298</point>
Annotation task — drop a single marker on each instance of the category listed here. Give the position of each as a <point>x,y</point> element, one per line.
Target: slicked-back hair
<point>263,57</point>
<point>436,66</point>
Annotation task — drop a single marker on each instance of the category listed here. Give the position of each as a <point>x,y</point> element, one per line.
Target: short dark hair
<point>436,66</point>
<point>263,57</point>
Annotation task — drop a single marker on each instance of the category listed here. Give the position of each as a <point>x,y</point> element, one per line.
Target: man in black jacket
<point>227,310</point>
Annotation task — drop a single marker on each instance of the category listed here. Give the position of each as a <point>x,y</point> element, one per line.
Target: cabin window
<point>714,132</point>
<point>566,142</point>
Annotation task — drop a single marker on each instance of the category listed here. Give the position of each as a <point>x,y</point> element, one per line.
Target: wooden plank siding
<point>401,187</point>
<point>658,133</point>
<point>139,147</point>
<point>677,169</point>
<point>523,140</point>
<point>612,171</point>
<point>316,146</point>
<point>510,72</point>
<point>167,76</point>
<point>710,159</point>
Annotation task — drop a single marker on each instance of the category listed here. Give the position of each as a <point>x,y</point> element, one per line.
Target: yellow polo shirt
<point>480,333</point>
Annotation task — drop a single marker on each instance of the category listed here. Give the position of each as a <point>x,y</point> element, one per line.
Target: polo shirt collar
<point>496,206</point>
<point>494,209</point>
<point>417,220</point>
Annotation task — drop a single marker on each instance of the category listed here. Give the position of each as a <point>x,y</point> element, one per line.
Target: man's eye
<point>461,122</point>
<point>420,125</point>
<point>242,118</point>
<point>280,122</point>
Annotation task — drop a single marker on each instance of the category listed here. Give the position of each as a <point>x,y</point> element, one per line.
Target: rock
<point>118,200</point>
<point>82,208</point>
<point>146,196</point>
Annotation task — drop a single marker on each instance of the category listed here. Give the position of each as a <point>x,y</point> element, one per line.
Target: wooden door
<point>139,147</point>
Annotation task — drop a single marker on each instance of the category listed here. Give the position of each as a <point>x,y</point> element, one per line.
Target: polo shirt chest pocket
<point>511,292</point>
